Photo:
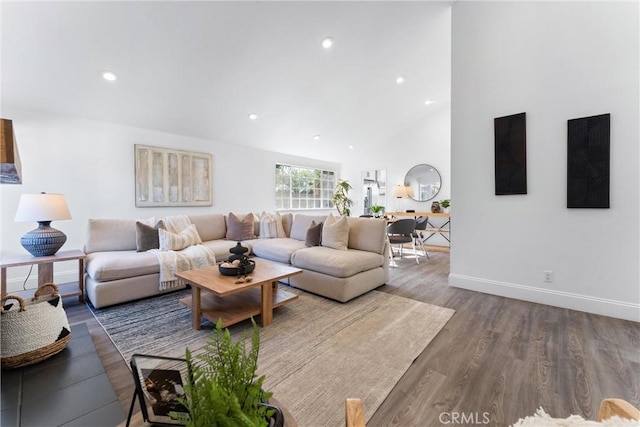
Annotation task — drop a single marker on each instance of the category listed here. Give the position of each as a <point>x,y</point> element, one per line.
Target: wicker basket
<point>33,330</point>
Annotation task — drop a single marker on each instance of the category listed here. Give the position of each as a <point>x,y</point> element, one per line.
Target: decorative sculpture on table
<point>238,264</point>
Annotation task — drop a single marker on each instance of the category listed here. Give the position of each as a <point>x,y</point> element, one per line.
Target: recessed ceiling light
<point>109,76</point>
<point>351,147</point>
<point>327,42</point>
<point>400,80</point>
<point>253,116</point>
<point>317,137</point>
<point>429,102</point>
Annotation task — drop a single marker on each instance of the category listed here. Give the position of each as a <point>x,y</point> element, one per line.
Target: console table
<point>442,229</point>
<point>45,270</point>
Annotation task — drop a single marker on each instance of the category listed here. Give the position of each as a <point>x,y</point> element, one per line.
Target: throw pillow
<point>240,229</point>
<point>174,242</point>
<point>280,225</point>
<point>335,233</point>
<point>147,236</point>
<point>268,227</point>
<point>314,234</point>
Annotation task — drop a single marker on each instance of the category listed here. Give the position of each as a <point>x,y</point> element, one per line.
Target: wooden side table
<point>45,270</point>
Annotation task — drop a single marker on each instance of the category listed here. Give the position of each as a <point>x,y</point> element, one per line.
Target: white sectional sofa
<point>117,273</point>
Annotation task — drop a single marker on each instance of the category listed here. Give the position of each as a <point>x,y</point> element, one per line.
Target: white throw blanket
<point>190,258</point>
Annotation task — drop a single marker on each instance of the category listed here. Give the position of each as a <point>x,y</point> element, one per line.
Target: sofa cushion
<point>314,234</point>
<point>106,266</point>
<point>240,228</point>
<point>174,242</point>
<point>210,226</point>
<point>336,263</point>
<point>278,249</point>
<point>112,234</point>
<point>367,234</point>
<point>147,236</point>
<point>301,224</point>
<point>335,233</point>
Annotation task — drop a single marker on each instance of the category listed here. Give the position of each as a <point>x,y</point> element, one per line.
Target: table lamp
<point>399,192</point>
<point>42,208</point>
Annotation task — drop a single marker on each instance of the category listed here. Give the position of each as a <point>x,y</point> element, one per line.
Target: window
<point>304,188</point>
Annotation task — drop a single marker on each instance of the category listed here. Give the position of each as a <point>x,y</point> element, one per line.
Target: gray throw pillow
<point>147,236</point>
<point>314,234</point>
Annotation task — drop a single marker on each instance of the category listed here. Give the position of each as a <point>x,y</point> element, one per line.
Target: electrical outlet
<point>548,276</point>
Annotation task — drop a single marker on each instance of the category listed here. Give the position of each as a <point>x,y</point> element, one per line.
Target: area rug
<point>316,354</point>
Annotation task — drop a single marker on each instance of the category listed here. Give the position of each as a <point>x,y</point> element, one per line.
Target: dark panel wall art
<point>588,162</point>
<point>511,154</point>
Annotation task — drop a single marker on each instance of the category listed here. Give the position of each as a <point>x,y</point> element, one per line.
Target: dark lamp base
<point>44,240</point>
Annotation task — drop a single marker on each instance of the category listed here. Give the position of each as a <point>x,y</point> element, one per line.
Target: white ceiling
<point>199,68</point>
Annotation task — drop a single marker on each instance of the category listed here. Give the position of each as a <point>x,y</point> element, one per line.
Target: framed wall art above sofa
<point>168,177</point>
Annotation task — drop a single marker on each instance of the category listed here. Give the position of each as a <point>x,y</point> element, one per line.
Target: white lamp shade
<point>42,207</point>
<point>399,191</point>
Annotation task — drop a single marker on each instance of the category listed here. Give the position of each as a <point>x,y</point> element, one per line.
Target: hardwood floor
<point>497,360</point>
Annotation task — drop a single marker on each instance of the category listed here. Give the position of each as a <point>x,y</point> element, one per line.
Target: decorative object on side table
<point>239,264</point>
<point>42,208</point>
<point>435,207</point>
<point>445,203</point>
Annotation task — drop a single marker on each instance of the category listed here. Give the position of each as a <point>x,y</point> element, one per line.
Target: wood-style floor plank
<point>497,359</point>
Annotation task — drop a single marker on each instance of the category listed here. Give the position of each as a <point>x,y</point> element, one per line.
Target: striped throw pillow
<point>174,242</point>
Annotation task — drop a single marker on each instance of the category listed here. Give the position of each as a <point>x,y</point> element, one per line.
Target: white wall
<point>555,61</point>
<point>426,140</point>
<point>91,163</point>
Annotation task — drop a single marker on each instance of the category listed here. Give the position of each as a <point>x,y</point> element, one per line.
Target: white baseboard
<point>589,304</point>
<point>16,284</point>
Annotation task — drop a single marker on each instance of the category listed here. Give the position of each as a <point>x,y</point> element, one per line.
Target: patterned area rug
<point>316,354</point>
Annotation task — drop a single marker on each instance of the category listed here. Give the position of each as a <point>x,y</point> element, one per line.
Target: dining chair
<point>401,232</point>
<point>418,233</point>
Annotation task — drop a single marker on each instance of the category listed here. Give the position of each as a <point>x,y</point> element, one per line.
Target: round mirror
<point>424,182</point>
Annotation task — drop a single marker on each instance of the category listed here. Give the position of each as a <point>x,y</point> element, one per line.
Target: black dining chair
<point>401,232</point>
<point>419,235</point>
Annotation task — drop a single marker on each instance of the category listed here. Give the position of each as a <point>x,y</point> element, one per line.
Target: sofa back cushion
<point>301,224</point>
<point>210,226</point>
<point>367,234</point>
<point>111,235</point>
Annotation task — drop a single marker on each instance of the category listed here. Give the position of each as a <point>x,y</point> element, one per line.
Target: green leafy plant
<point>222,387</point>
<point>341,199</point>
<point>376,209</point>
<point>445,203</point>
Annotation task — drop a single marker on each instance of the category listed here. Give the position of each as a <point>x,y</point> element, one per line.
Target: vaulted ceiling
<point>200,68</point>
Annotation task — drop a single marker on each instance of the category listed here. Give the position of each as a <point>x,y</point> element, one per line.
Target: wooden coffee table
<point>233,302</point>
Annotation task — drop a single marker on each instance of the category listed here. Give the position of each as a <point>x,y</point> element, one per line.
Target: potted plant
<point>222,387</point>
<point>445,203</point>
<point>341,199</point>
<point>376,210</point>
